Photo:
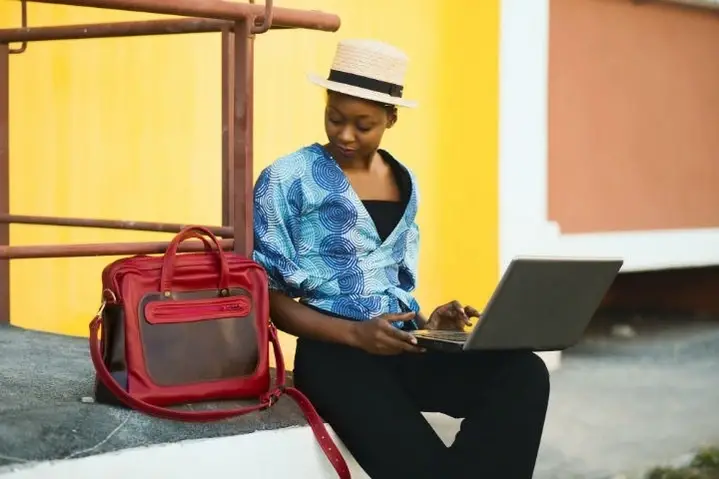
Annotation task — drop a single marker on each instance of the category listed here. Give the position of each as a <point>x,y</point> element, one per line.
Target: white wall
<point>523,224</point>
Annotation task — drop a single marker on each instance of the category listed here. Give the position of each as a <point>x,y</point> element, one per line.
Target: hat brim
<point>361,92</point>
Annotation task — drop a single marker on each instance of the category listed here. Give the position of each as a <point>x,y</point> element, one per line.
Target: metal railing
<point>238,23</point>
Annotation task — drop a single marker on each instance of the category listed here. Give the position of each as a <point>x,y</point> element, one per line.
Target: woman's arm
<point>376,336</point>
<point>297,319</point>
<point>275,251</point>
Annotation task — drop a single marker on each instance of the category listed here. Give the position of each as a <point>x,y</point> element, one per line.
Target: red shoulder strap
<point>318,427</point>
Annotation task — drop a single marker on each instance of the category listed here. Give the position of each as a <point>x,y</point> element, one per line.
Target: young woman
<point>335,228</point>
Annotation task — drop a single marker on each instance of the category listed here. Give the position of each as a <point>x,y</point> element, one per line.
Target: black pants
<point>374,404</point>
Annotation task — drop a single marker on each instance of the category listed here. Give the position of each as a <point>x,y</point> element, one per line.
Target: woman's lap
<point>365,405</point>
<point>374,404</point>
<point>454,383</point>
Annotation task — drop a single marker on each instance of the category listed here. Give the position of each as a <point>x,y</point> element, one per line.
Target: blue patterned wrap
<point>318,243</point>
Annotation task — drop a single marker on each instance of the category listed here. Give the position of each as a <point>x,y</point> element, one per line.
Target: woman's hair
<point>390,109</point>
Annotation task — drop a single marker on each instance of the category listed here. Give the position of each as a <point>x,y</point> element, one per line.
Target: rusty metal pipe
<point>106,224</point>
<point>114,30</point>
<point>267,18</point>
<point>109,30</point>
<point>23,24</point>
<point>228,124</point>
<point>4,178</point>
<point>242,162</point>
<point>102,249</point>
<point>219,9</point>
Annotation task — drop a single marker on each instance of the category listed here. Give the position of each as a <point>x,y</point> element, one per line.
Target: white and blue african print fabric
<point>317,242</point>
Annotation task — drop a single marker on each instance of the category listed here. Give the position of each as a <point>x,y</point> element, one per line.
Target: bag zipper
<point>188,311</point>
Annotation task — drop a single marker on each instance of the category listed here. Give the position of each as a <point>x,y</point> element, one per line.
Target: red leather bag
<point>190,327</point>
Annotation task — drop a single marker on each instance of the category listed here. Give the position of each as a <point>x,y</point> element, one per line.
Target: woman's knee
<point>529,372</point>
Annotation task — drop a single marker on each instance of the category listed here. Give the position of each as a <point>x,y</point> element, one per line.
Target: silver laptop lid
<point>544,303</point>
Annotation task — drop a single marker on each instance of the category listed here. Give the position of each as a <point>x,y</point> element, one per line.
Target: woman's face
<point>354,126</point>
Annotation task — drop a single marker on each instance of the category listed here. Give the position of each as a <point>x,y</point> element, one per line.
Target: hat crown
<point>371,59</point>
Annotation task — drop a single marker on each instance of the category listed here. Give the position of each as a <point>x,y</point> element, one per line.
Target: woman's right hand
<point>380,336</point>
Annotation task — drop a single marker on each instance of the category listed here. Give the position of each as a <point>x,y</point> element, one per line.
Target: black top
<point>387,214</point>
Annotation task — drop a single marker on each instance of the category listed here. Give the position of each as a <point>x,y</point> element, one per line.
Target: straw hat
<point>368,69</point>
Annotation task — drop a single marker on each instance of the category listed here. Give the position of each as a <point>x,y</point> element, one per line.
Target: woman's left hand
<point>452,316</point>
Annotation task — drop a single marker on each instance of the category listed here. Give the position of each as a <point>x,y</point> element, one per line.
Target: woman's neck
<point>364,162</point>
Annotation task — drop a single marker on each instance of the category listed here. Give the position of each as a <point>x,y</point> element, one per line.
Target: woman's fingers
<point>472,312</point>
<point>398,339</point>
<point>459,314</point>
<point>403,346</point>
<point>398,334</point>
<point>388,344</point>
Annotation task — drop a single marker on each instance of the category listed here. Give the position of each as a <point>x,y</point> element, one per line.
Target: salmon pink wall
<point>633,114</point>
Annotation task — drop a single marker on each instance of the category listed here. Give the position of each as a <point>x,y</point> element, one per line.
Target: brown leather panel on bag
<point>198,336</point>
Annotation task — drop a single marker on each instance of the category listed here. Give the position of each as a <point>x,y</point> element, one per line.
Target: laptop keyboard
<point>460,336</point>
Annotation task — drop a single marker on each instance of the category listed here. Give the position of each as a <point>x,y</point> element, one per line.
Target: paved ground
<point>617,404</point>
<point>623,405</point>
<point>43,378</point>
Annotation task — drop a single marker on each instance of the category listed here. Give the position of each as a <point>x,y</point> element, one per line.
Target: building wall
<point>633,109</point>
<point>130,129</point>
<point>598,85</point>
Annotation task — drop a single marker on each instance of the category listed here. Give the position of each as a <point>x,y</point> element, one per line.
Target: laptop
<point>540,304</point>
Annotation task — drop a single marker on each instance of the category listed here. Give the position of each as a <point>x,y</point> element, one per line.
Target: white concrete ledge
<point>290,452</point>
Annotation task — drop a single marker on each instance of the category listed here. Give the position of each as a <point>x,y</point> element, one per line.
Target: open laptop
<point>540,304</point>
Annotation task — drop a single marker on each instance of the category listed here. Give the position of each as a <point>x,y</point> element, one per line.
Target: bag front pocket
<point>198,337</point>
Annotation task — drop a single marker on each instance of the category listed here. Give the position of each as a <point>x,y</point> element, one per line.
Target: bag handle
<point>266,400</point>
<point>205,241</point>
<point>168,262</point>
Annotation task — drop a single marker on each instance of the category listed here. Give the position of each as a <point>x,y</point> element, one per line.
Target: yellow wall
<point>129,129</point>
<point>468,203</point>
